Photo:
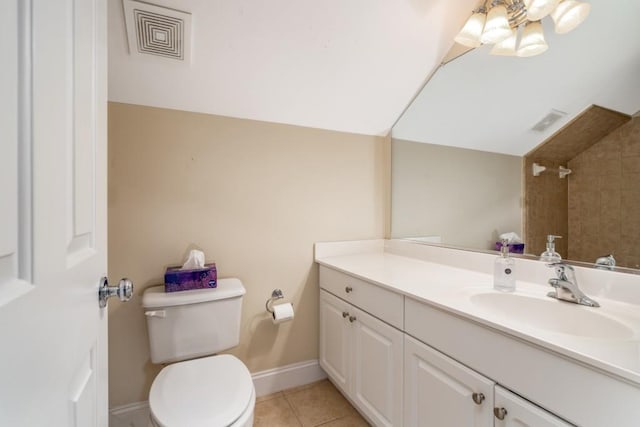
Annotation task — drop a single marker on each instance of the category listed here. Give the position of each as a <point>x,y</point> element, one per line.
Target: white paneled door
<point>53,344</point>
<point>335,340</point>
<point>441,392</point>
<point>377,369</point>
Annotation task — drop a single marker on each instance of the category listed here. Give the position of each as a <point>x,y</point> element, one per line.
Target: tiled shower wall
<point>545,207</point>
<point>604,198</point>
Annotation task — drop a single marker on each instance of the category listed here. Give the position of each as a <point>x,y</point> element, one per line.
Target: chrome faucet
<point>566,286</point>
<point>606,262</point>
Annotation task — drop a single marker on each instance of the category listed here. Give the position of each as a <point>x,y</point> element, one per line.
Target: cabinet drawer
<point>380,302</point>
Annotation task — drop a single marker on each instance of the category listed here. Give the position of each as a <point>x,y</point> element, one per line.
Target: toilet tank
<point>189,324</point>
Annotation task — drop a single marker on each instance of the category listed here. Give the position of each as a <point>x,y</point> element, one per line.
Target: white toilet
<point>213,391</point>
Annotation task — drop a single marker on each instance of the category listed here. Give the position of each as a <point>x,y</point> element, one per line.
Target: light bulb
<point>532,42</point>
<point>497,26</point>
<point>569,14</point>
<point>472,30</point>
<point>538,9</point>
<point>506,47</point>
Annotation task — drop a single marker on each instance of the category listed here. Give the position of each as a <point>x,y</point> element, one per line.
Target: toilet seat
<point>212,391</point>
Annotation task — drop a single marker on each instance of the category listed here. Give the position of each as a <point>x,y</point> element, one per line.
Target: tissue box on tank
<point>514,248</point>
<point>176,279</point>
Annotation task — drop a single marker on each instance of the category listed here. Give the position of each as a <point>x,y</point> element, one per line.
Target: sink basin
<point>552,315</point>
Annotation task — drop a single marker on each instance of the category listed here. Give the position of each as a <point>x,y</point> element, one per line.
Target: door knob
<point>124,291</point>
<point>345,314</point>
<point>348,289</point>
<point>352,319</point>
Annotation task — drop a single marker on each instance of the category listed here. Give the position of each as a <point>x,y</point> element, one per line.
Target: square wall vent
<point>157,31</point>
<point>548,120</point>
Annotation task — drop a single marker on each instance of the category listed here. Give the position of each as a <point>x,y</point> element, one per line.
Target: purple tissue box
<point>176,279</point>
<point>514,248</point>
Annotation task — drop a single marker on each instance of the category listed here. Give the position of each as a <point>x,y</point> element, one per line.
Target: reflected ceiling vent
<point>548,120</point>
<point>157,31</point>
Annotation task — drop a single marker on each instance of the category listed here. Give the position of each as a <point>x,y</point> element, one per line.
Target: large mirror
<point>465,151</point>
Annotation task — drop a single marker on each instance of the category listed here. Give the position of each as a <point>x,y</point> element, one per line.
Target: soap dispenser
<point>550,255</point>
<point>503,270</point>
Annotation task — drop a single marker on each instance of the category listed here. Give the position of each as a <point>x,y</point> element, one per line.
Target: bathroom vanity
<point>415,335</point>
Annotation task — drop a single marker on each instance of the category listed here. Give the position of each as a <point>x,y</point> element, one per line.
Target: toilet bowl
<point>215,391</point>
<point>196,389</point>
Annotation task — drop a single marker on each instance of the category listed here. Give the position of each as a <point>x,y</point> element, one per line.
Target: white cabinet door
<point>518,412</point>
<point>438,391</point>
<point>377,369</point>
<point>334,339</point>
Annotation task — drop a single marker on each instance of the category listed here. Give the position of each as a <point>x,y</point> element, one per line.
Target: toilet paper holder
<point>275,295</point>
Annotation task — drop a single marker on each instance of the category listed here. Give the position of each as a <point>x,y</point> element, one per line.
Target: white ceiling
<point>346,65</point>
<point>490,103</point>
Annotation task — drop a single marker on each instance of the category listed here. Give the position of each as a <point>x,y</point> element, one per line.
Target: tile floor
<point>317,404</point>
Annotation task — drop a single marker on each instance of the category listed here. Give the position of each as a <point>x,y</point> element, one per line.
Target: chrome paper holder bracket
<point>275,295</point>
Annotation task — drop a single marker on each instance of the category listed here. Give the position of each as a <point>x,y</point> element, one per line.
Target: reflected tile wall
<point>604,198</point>
<point>546,207</point>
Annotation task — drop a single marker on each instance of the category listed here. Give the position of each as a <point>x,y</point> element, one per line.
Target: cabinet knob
<point>348,289</point>
<point>352,319</point>
<point>478,398</point>
<point>345,314</point>
<point>500,413</point>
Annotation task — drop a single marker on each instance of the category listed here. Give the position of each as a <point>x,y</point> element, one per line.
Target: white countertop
<point>455,289</point>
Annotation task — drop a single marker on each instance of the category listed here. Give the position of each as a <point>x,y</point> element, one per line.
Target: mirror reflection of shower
<point>561,170</point>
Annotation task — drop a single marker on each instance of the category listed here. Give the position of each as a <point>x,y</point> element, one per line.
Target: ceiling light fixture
<point>501,22</point>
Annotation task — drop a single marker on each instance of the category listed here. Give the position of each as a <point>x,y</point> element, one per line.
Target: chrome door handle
<point>124,291</point>
<point>478,398</point>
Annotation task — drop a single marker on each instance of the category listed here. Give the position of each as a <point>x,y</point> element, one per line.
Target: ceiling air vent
<point>548,120</point>
<point>158,31</point>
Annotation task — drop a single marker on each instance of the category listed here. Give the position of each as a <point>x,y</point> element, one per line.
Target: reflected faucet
<point>606,262</point>
<point>566,286</point>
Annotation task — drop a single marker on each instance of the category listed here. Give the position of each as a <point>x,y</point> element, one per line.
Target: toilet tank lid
<point>155,296</point>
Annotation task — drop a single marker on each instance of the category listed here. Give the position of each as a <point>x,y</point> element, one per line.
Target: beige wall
<point>466,196</point>
<point>255,197</point>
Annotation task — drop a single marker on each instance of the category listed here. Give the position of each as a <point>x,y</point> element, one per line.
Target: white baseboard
<point>123,409</point>
<point>289,376</point>
<point>265,382</point>
<point>134,414</point>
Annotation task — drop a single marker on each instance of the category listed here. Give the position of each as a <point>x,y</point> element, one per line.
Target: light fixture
<point>569,14</point>
<point>506,47</point>
<point>497,26</point>
<point>532,42</point>
<point>472,30</point>
<point>497,22</point>
<point>538,9</point>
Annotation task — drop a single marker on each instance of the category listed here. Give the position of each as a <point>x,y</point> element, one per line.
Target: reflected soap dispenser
<point>550,255</point>
<point>504,270</point>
